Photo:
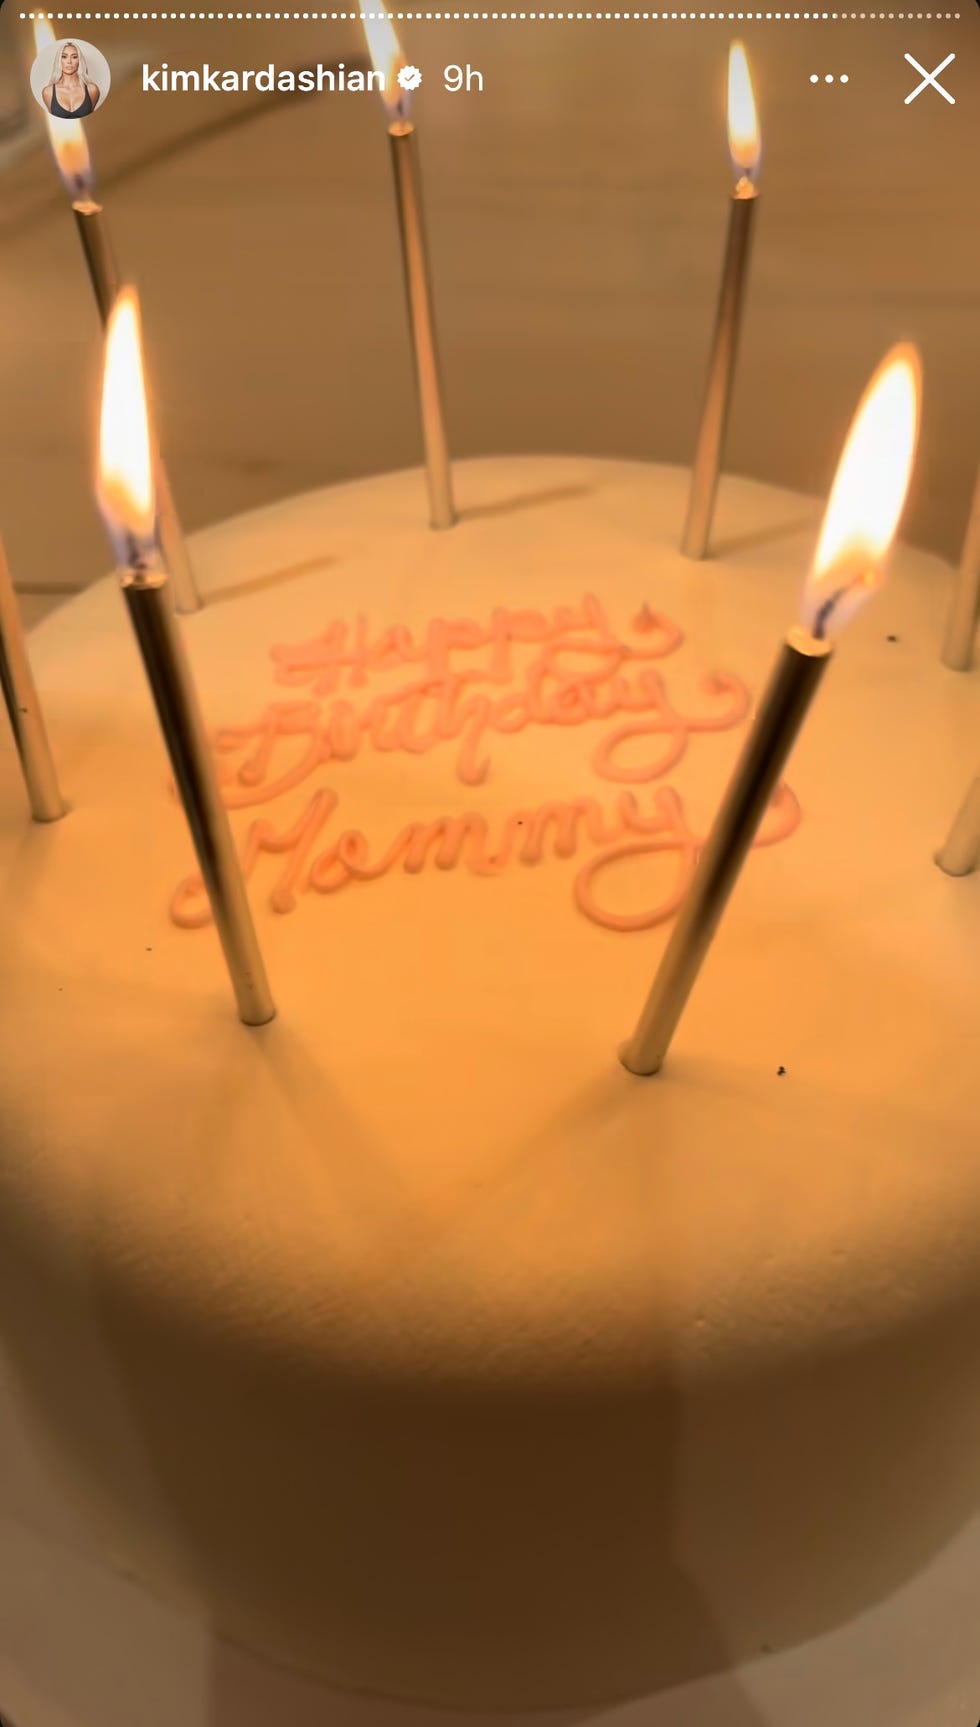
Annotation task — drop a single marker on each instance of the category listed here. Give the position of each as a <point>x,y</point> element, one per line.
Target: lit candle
<point>71,154</point>
<point>744,147</point>
<point>388,61</point>
<point>860,521</point>
<point>964,610</point>
<point>961,851</point>
<point>26,718</point>
<point>75,166</point>
<point>126,498</point>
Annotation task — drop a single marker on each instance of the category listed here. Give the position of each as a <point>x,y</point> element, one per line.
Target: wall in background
<point>576,219</point>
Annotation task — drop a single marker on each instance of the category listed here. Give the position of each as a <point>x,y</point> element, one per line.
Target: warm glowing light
<point>125,476</point>
<point>744,140</point>
<point>44,36</point>
<point>67,136</point>
<point>867,496</point>
<point>387,58</point>
<point>71,155</point>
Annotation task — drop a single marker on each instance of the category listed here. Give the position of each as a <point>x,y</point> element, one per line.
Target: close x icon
<point>930,80</point>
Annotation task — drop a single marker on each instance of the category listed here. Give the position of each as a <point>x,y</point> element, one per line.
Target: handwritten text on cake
<point>467,683</point>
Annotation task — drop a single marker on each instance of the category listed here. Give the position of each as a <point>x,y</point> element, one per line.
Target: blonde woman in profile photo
<point>71,93</point>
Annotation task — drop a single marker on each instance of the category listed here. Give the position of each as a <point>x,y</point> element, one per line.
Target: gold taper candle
<point>744,146</point>
<point>21,699</point>
<point>174,698</point>
<point>960,852</point>
<point>172,542</point>
<point>125,489</point>
<point>802,661</point>
<point>862,514</point>
<point>388,63</point>
<point>964,608</point>
<point>404,160</point>
<point>71,153</point>
<point>103,272</point>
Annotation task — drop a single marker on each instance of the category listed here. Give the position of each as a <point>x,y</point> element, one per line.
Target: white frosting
<point>363,1330</point>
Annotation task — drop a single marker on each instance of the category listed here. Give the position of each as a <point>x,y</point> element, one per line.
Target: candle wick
<point>135,557</point>
<point>825,611</point>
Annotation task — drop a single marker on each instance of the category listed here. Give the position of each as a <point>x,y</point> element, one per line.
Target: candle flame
<point>744,139</point>
<point>387,58</point>
<point>44,36</point>
<point>867,496</point>
<point>125,472</point>
<point>67,136</point>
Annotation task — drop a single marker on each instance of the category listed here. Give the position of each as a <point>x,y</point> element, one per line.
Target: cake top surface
<point>468,774</point>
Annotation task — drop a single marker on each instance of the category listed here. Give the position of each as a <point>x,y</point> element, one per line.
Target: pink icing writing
<point>444,705</point>
<point>290,741</point>
<point>579,672</point>
<point>351,650</point>
<point>449,841</point>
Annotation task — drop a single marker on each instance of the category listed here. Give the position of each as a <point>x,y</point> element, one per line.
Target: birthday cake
<point>409,1340</point>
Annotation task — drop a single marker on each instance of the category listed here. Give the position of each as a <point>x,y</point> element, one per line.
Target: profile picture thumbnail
<point>70,78</point>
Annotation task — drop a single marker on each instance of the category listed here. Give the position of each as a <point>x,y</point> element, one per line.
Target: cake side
<point>402,1307</point>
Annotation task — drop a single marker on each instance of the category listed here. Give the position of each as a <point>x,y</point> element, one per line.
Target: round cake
<point>409,1340</point>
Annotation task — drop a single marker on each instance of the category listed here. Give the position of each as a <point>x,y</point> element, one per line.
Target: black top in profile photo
<point>71,93</point>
